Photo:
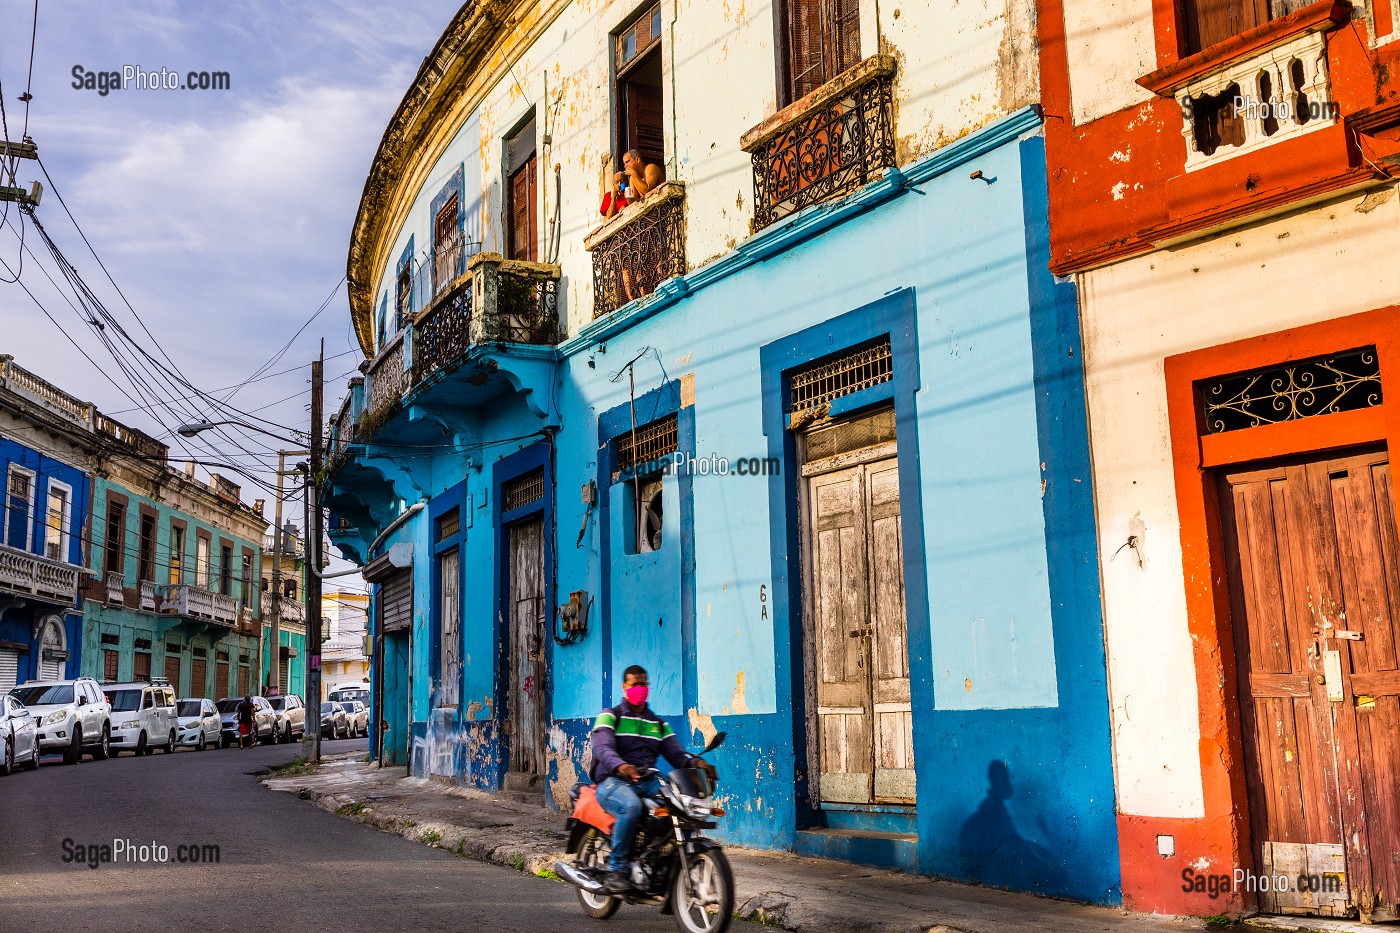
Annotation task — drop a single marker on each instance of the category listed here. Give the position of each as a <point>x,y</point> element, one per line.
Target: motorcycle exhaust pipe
<point>570,873</point>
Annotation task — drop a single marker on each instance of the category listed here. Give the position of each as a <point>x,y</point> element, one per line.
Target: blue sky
<point>223,216</point>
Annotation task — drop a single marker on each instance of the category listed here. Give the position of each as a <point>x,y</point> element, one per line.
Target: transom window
<point>1323,385</point>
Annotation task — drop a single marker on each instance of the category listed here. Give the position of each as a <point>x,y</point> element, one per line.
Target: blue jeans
<point>623,800</point>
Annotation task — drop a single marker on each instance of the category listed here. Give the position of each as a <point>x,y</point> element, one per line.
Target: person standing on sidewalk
<point>245,712</point>
<point>626,740</point>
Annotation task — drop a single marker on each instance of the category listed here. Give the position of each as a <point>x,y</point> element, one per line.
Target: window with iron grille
<point>648,444</point>
<point>449,524</point>
<point>524,490</point>
<point>848,373</point>
<point>1322,385</point>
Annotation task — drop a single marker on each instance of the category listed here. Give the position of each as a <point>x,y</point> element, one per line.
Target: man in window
<point>634,181</point>
<point>626,741</point>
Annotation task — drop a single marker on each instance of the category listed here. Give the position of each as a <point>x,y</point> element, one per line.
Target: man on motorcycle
<point>627,739</point>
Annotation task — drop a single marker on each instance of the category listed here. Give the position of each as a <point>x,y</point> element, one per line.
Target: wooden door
<point>447,243</point>
<point>1208,22</point>
<point>859,635</point>
<point>199,675</point>
<point>1315,600</point>
<point>526,681</point>
<point>221,684</point>
<point>645,122</point>
<point>522,213</point>
<point>172,671</point>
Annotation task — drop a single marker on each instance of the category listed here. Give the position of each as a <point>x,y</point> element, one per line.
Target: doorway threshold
<point>1306,924</point>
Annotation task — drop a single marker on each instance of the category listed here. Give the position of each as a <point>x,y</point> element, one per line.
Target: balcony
<point>198,604</point>
<point>496,302</point>
<point>21,381</point>
<point>826,145</point>
<point>289,611</point>
<point>25,574</point>
<point>638,249</point>
<point>1257,89</point>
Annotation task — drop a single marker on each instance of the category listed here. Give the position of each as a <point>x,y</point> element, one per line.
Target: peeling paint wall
<point>960,67</point>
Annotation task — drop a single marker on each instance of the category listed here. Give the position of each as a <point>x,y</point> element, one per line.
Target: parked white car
<point>291,717</point>
<point>19,737</point>
<point>72,716</point>
<point>264,721</point>
<point>199,723</point>
<point>143,717</point>
<point>356,717</point>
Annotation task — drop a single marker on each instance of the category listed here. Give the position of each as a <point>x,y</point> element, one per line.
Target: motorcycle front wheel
<point>593,854</point>
<point>704,894</point>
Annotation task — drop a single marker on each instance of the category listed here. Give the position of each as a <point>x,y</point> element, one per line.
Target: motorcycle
<point>673,865</point>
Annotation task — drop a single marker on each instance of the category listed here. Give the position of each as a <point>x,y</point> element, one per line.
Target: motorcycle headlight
<point>57,715</point>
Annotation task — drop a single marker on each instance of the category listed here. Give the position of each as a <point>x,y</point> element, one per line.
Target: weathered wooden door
<point>1315,599</point>
<point>526,706</point>
<point>199,676</point>
<point>172,670</point>
<point>858,633</point>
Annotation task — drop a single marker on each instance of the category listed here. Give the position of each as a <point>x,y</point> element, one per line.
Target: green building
<point>175,566</point>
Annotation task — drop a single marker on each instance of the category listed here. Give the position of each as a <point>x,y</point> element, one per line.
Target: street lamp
<point>198,427</point>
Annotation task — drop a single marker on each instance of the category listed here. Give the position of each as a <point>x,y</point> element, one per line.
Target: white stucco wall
<point>1316,264</point>
<point>1109,44</point>
<point>960,67</point>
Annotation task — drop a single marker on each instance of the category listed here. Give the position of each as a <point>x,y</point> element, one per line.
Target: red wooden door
<point>1315,599</point>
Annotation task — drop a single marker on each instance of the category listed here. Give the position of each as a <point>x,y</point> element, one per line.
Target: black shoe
<point>617,882</point>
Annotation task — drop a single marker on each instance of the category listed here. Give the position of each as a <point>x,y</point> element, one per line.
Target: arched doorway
<point>53,646</point>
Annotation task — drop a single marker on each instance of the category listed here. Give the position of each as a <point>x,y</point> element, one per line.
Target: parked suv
<point>71,715</point>
<point>143,716</point>
<point>291,717</point>
<point>264,721</point>
<point>356,717</point>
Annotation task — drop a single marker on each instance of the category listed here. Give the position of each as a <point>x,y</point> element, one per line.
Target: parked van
<point>143,716</point>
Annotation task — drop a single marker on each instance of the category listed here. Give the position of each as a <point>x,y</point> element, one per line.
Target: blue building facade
<point>828,482</point>
<point>46,509</point>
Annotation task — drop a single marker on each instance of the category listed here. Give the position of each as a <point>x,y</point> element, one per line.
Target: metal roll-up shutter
<point>9,669</point>
<point>396,600</point>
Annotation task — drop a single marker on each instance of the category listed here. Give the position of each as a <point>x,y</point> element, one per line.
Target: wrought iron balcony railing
<point>196,602</point>
<point>638,249</point>
<point>496,301</point>
<point>26,574</point>
<point>826,145</point>
<point>387,380</point>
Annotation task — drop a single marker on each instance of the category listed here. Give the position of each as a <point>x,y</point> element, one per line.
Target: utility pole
<point>275,671</point>
<point>313,557</point>
<point>20,150</point>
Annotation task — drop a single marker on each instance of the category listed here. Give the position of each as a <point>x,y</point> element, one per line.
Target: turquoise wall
<point>1011,732</point>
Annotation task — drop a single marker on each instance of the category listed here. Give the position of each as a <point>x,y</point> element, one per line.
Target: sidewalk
<point>799,894</point>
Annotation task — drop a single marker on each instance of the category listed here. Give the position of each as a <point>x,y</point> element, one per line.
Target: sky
<point>223,216</point>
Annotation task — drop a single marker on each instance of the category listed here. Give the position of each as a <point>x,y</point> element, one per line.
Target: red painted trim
<point>1345,429</point>
<point>1222,836</point>
<point>1324,14</point>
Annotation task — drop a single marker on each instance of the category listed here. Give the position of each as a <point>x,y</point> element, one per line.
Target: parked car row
<point>79,716</point>
<point>344,720</point>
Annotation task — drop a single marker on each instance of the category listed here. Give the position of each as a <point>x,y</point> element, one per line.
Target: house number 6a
<point>762,601</point>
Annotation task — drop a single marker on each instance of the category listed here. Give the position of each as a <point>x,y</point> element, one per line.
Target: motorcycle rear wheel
<point>703,898</point>
<point>593,853</point>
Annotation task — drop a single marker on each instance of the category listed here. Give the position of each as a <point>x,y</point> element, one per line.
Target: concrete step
<point>899,851</point>
<point>523,788</point>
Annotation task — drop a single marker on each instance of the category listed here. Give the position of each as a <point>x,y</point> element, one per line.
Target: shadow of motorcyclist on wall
<point>994,851</point>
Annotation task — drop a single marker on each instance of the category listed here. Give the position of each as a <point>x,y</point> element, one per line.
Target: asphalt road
<point>283,864</point>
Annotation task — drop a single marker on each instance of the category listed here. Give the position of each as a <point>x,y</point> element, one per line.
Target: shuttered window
<point>820,39</point>
<point>640,117</point>
<point>521,188</point>
<point>1208,22</point>
<point>9,669</point>
<point>396,600</point>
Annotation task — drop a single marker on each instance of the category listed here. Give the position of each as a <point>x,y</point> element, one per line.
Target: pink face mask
<point>636,694</point>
